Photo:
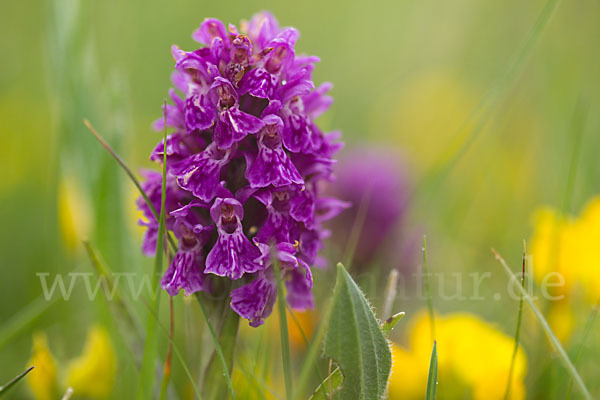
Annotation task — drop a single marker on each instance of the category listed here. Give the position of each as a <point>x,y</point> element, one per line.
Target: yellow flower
<point>567,246</point>
<point>307,321</point>
<point>413,125</point>
<point>93,373</point>
<point>73,212</point>
<point>473,357</point>
<point>42,380</point>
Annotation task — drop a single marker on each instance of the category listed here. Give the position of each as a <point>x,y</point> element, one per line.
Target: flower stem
<point>518,331</point>
<point>217,377</point>
<point>285,340</point>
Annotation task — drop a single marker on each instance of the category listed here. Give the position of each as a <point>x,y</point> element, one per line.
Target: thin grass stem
<point>546,327</point>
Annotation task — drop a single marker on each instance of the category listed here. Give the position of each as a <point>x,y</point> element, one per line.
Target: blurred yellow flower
<point>302,328</point>
<point>42,380</point>
<point>74,213</point>
<point>565,248</point>
<point>250,386</point>
<point>473,357</point>
<point>93,373</point>
<point>428,113</point>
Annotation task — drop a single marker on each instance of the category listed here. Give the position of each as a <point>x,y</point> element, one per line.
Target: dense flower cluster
<point>244,164</point>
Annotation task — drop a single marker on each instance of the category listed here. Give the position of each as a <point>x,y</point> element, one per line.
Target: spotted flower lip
<point>245,164</point>
<point>233,254</point>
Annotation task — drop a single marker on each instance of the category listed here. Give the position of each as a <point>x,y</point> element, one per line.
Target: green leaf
<point>356,343</point>
<point>432,380</point>
<point>390,323</point>
<point>335,379</point>
<point>4,388</point>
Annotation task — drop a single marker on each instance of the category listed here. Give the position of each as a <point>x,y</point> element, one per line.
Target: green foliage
<point>336,379</point>
<point>432,379</point>
<point>390,323</point>
<point>356,343</point>
<point>218,371</point>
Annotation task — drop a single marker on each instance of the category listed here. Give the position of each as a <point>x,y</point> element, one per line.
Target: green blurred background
<point>406,74</point>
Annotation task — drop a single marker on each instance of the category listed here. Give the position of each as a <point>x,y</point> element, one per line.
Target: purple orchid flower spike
<point>242,120</point>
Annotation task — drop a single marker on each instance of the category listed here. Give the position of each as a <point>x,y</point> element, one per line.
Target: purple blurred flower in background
<point>373,180</point>
<point>244,161</point>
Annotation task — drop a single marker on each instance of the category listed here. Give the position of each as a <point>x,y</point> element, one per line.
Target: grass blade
<point>176,350</point>
<point>283,333</point>
<point>551,336</point>
<point>357,227</point>
<point>28,314</point>
<point>125,309</point>
<point>218,348</point>
<point>390,292</point>
<point>130,174</point>
<point>586,333</point>
<point>427,282</point>
<point>482,111</point>
<point>14,381</point>
<point>146,383</point>
<point>167,368</point>
<point>517,332</point>
<point>576,134</point>
<point>311,357</point>
<point>432,379</point>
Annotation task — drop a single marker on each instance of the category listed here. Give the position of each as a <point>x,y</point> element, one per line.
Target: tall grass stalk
<point>357,226</point>
<point>518,330</point>
<point>283,332</point>
<point>576,134</point>
<point>167,367</point>
<point>430,394</point>
<point>146,383</point>
<point>226,370</point>
<point>586,333</point>
<point>551,336</point>
<point>427,283</point>
<point>23,318</point>
<point>14,381</point>
<point>130,174</point>
<point>176,350</point>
